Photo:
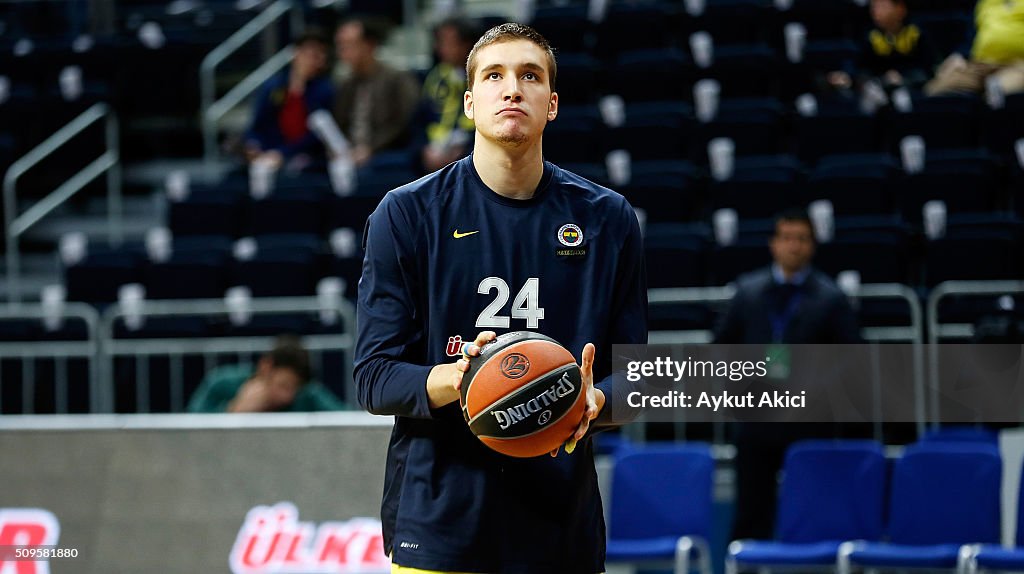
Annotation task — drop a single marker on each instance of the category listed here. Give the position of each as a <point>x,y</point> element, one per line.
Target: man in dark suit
<point>787,303</point>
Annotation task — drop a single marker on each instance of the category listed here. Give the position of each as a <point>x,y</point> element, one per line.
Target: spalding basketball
<point>521,396</point>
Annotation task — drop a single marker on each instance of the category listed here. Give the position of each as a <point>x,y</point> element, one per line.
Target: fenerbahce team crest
<point>570,236</point>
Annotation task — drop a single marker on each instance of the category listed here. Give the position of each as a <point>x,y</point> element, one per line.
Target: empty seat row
<point>757,126</point>
<point>625,25</point>
<point>206,266</point>
<point>880,249</point>
<point>838,506</point>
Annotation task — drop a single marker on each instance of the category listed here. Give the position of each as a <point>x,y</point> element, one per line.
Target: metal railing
<point>937,330</point>
<point>60,352</point>
<point>213,110</point>
<point>110,163</point>
<point>720,295</point>
<point>244,348</point>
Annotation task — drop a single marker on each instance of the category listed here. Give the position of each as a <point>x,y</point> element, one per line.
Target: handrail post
<point>945,289</point>
<point>13,264</point>
<point>14,225</point>
<point>115,215</point>
<point>208,69</point>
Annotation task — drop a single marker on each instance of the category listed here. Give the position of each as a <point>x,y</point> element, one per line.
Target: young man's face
<point>792,245</point>
<point>310,59</point>
<point>283,384</point>
<point>888,14</point>
<point>451,49</point>
<point>353,48</point>
<point>511,100</point>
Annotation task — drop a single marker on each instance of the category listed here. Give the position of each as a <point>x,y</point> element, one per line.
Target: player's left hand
<point>595,399</point>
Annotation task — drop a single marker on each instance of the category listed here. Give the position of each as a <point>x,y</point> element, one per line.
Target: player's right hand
<point>444,384</point>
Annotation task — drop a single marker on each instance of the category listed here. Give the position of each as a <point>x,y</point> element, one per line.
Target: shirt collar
<point>798,278</point>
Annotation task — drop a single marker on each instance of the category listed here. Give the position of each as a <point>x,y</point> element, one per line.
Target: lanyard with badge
<point>777,353</point>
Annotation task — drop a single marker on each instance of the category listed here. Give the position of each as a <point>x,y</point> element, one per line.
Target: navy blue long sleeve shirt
<point>447,257</point>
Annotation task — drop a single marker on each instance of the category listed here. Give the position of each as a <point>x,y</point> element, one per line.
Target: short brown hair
<point>288,353</point>
<point>506,33</point>
<point>795,215</point>
<point>314,35</point>
<point>373,30</point>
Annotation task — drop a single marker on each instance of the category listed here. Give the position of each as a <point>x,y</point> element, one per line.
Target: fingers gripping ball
<point>523,395</point>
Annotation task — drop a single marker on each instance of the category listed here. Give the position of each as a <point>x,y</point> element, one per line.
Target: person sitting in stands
<point>279,133</point>
<point>280,382</point>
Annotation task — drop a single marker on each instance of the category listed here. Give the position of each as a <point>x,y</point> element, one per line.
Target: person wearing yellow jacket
<point>997,52</point>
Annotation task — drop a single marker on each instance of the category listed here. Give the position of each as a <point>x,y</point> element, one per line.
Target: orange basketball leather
<point>490,384</point>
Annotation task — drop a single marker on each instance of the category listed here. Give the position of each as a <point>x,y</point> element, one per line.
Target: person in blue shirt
<point>496,242</point>
<point>279,132</point>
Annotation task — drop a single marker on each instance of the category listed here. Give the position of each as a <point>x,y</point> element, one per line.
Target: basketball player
<point>498,241</point>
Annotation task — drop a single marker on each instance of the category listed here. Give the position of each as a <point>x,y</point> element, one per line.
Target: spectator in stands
<point>375,102</point>
<point>996,51</point>
<point>447,134</point>
<point>281,381</point>
<point>787,303</point>
<point>895,51</point>
<point>279,132</point>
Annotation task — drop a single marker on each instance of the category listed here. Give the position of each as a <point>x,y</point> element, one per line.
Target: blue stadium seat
<point>737,21</point>
<point>992,557</point>
<point>1004,127</point>
<point>832,491</point>
<point>828,18</point>
<point>748,253</point>
<point>378,180</point>
<point>754,125</point>
<point>284,265</point>
<point>568,28</point>
<point>654,131</point>
<point>637,26</point>
<point>984,246</point>
<point>630,76</point>
<point>209,210</point>
<point>856,184</point>
<point>816,136</point>
<point>943,495</point>
<point>579,79</point>
<point>297,210</point>
<point>760,186</point>
<point>947,29</point>
<point>348,269</point>
<point>945,122</point>
<point>831,54</point>
<point>961,433</point>
<point>669,191</point>
<point>661,507</point>
<point>195,270</point>
<point>877,247</point>
<point>576,137</point>
<point>965,180</point>
<point>745,71</point>
<point>97,278</point>
<point>675,255</point>
<point>350,212</point>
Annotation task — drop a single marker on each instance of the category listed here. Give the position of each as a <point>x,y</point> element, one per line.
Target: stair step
<point>95,227</point>
<point>30,285</point>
